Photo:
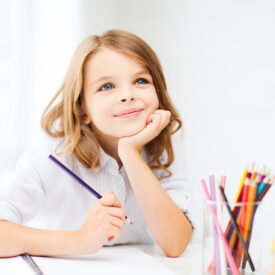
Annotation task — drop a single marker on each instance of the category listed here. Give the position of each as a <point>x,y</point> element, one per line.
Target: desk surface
<point>124,259</point>
<point>128,259</point>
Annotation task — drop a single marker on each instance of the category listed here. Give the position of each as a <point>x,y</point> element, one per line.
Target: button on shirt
<point>42,195</point>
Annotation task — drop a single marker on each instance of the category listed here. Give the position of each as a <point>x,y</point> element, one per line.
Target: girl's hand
<point>156,122</point>
<point>104,222</point>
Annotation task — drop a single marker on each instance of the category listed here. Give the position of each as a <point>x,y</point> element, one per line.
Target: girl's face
<point>119,95</point>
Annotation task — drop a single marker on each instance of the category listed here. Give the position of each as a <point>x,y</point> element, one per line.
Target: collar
<point>105,159</point>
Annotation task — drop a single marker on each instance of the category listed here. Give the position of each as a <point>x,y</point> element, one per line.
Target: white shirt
<point>42,195</point>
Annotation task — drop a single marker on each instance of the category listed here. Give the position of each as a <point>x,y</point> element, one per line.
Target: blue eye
<point>106,87</point>
<point>141,81</point>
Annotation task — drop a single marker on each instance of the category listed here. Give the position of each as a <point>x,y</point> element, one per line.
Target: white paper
<point>109,260</point>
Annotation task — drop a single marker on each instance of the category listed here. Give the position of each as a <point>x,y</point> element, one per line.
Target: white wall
<point>218,58</point>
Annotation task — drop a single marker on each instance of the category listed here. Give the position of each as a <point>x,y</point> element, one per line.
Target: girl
<point>112,126</point>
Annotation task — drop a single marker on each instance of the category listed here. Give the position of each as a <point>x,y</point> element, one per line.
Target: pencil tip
<point>128,221</point>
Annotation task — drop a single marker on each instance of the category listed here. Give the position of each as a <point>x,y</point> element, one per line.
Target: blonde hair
<point>64,119</point>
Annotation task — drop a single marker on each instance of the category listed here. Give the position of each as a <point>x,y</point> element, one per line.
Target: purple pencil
<point>80,181</point>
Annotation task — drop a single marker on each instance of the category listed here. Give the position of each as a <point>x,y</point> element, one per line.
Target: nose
<point>124,99</point>
<point>127,95</point>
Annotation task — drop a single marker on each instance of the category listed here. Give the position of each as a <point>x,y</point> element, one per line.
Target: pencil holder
<point>245,250</point>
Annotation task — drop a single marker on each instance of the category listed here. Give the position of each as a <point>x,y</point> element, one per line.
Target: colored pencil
<point>80,181</point>
<point>239,213</point>
<point>257,202</point>
<point>261,196</point>
<point>29,260</point>
<point>237,230</point>
<point>247,212</point>
<point>242,221</point>
<point>245,172</point>
<point>236,209</point>
<point>249,207</point>
<point>223,180</point>
<point>222,260</point>
<point>228,254</point>
<point>211,266</point>
<point>262,173</point>
<point>253,187</point>
<point>216,239</point>
<point>262,186</point>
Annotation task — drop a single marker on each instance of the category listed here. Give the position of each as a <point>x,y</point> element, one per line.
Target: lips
<point>128,111</point>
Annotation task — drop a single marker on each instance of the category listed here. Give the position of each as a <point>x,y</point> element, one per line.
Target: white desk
<point>118,260</point>
<point>189,263</point>
<point>129,259</point>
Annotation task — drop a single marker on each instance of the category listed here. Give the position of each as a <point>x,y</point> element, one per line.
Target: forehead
<point>107,61</point>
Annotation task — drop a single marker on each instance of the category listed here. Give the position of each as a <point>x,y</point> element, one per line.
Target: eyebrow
<point>100,79</point>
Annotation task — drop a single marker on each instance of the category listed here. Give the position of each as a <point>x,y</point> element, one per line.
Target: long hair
<point>64,119</point>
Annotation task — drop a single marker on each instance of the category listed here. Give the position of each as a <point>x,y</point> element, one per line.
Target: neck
<point>110,145</point>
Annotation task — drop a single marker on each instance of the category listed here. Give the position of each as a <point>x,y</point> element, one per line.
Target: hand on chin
<point>155,123</point>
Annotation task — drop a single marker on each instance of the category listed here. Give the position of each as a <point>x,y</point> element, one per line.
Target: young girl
<point>112,125</point>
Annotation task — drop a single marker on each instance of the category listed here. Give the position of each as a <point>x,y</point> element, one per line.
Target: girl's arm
<point>104,222</point>
<point>166,221</point>
<point>16,239</point>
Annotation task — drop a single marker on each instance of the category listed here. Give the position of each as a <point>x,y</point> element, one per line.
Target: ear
<point>85,119</point>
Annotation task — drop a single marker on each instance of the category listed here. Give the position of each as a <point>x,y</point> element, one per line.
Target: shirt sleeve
<point>22,196</point>
<point>177,184</point>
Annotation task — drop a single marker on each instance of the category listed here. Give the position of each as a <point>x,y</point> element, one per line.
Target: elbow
<point>176,248</point>
<point>172,255</point>
<point>175,251</point>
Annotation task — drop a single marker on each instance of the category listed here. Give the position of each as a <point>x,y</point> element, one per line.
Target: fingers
<point>116,225</point>
<point>109,199</point>
<point>164,117</point>
<point>116,232</point>
<point>161,118</point>
<point>116,212</point>
<point>113,209</point>
<point>117,222</point>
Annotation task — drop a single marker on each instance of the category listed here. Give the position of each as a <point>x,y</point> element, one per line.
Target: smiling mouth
<point>130,114</point>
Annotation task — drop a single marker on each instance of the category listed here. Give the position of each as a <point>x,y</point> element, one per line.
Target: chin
<point>130,131</point>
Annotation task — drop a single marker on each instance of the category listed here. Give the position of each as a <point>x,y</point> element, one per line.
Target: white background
<point>218,58</point>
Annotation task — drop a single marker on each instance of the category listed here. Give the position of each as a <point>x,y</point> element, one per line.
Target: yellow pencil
<point>241,183</point>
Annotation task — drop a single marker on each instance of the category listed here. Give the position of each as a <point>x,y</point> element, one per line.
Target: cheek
<point>153,102</point>
<point>101,114</point>
<point>97,114</point>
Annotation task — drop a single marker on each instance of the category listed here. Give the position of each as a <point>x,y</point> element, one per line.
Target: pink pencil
<point>223,181</point>
<point>227,251</point>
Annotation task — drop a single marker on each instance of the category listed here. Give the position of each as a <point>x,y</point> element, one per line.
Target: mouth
<point>129,113</point>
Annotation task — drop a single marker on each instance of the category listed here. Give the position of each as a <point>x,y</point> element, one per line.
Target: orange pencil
<point>242,220</point>
<point>250,206</point>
